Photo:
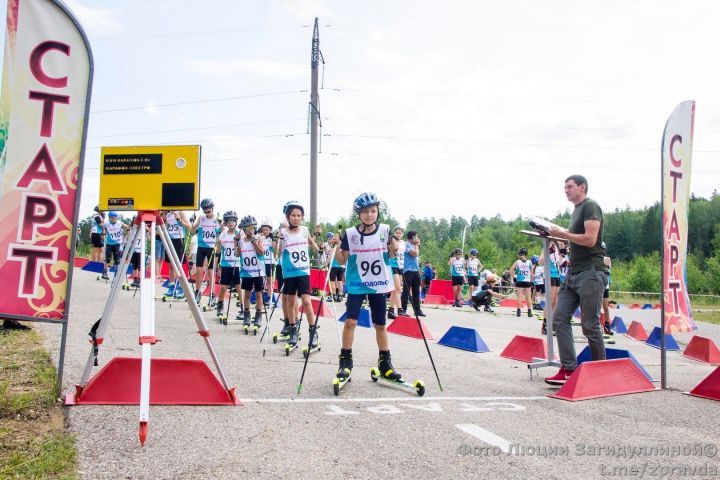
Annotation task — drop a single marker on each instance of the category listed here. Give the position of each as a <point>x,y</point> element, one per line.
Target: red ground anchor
<point>408,327</point>
<point>509,303</point>
<point>435,300</point>
<point>324,310</point>
<point>709,387</point>
<point>604,378</point>
<point>525,349</point>
<point>637,332</point>
<point>442,288</point>
<point>703,350</point>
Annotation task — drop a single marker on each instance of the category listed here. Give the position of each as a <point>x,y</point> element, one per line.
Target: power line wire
<point>191,129</point>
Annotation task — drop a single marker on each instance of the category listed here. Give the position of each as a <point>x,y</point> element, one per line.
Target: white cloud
<point>151,108</point>
<point>94,20</point>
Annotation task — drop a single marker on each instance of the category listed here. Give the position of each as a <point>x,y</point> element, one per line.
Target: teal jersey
<point>252,263</point>
<point>457,267</point>
<point>554,270</point>
<point>174,227</point>
<point>228,255</point>
<point>522,271</point>
<point>368,265</point>
<point>95,226</point>
<point>114,233</point>
<point>294,256</point>
<point>207,232</point>
<point>473,266</point>
<point>268,249</point>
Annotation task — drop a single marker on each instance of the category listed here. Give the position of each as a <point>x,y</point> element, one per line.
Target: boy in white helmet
<point>252,271</point>
<point>206,227</point>
<point>228,254</point>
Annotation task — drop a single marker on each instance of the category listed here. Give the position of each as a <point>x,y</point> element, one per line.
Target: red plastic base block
<point>80,262</point>
<point>408,327</point>
<point>165,268</point>
<point>172,382</point>
<point>324,309</point>
<point>509,302</point>
<point>703,350</point>
<point>604,378</point>
<point>709,387</point>
<point>637,332</point>
<point>435,300</point>
<point>317,279</point>
<point>442,288</point>
<point>525,349</point>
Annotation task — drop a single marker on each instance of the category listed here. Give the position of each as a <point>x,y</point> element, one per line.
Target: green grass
<point>34,442</point>
<point>710,316</point>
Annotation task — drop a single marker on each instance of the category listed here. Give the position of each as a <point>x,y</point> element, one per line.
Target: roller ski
<point>220,311</point>
<point>256,322</point>
<point>344,373</point>
<point>212,303</point>
<point>284,333</point>
<point>314,345</point>
<point>246,321</point>
<point>386,375</point>
<point>293,340</point>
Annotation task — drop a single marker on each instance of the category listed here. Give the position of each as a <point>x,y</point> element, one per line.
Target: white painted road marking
<point>382,399</point>
<point>485,436</point>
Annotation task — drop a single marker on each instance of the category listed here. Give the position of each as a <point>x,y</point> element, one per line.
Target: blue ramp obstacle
<point>464,339</point>
<point>618,326</point>
<point>363,321</point>
<point>95,267</point>
<point>654,340</point>
<point>612,354</point>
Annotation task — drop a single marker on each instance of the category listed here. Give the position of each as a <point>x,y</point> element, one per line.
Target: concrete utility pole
<point>314,121</point>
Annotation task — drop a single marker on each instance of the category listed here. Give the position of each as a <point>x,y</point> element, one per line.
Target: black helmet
<point>248,221</point>
<point>457,251</point>
<point>230,215</point>
<point>97,208</point>
<point>290,205</point>
<point>365,200</point>
<point>206,203</point>
<point>523,251</point>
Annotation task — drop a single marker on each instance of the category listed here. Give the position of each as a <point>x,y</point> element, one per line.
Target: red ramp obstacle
<point>80,262</point>
<point>509,303</point>
<point>525,349</point>
<point>709,387</point>
<point>408,327</point>
<point>637,332</point>
<point>172,382</point>
<point>165,269</point>
<point>435,300</point>
<point>324,310</point>
<point>317,280</point>
<point>604,378</point>
<point>442,288</point>
<point>703,350</point>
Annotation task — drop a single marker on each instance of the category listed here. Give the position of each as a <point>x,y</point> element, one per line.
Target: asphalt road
<point>491,421</point>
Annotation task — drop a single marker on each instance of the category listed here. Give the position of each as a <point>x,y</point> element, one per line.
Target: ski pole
<point>432,362</point>
<point>272,293</point>
<point>313,328</point>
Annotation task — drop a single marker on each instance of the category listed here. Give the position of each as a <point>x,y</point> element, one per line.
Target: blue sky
<point>458,108</point>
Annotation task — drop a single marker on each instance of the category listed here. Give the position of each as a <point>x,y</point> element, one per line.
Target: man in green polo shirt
<point>585,282</point>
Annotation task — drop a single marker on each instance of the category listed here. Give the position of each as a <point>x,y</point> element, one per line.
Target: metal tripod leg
<point>190,297</point>
<point>549,307</point>
<point>110,303</point>
<point>147,330</point>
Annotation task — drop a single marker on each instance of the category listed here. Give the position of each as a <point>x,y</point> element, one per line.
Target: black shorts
<point>337,274</point>
<point>606,293</point>
<point>97,240</point>
<point>279,275</point>
<point>540,288</point>
<point>229,276</point>
<point>378,311</point>
<point>112,252</point>
<point>473,281</point>
<point>179,247</point>
<point>202,254</point>
<point>268,270</point>
<point>397,271</point>
<point>135,260</point>
<point>523,285</point>
<point>482,298</point>
<point>252,283</point>
<point>554,281</point>
<point>458,280</point>
<point>297,285</point>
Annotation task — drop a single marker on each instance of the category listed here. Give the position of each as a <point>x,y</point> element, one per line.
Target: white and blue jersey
<point>114,233</point>
<point>294,257</point>
<point>473,266</point>
<point>368,265</point>
<point>538,275</point>
<point>252,262</point>
<point>207,232</point>
<point>174,227</point>
<point>554,270</point>
<point>96,227</point>
<point>457,267</point>
<point>268,250</point>
<point>607,287</point>
<point>398,261</point>
<point>228,255</point>
<point>522,270</point>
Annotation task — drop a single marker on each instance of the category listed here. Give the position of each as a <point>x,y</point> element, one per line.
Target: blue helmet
<point>365,200</point>
<point>534,259</point>
<point>329,235</point>
<point>112,214</point>
<point>473,251</point>
<point>290,205</point>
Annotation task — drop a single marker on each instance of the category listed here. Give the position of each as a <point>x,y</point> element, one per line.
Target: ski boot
<point>284,333</point>
<point>606,329</point>
<point>104,275</point>
<point>391,313</point>
<point>220,311</point>
<point>543,329</point>
<point>256,322</point>
<point>344,372</point>
<point>135,283</point>
<point>246,321</point>
<point>313,344</point>
<point>170,293</point>
<point>293,340</point>
<point>178,293</point>
<point>530,314</point>
<point>198,295</point>
<point>488,309</point>
<point>518,312</point>
<point>385,374</point>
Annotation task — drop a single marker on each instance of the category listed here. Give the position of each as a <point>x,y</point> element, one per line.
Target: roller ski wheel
<point>255,329</point>
<point>289,348</point>
<point>275,337</point>
<point>246,329</point>
<point>204,308</point>
<point>339,383</point>
<point>164,298</point>
<point>307,352</point>
<point>222,319</point>
<point>417,387</point>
